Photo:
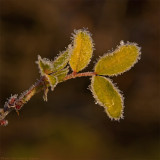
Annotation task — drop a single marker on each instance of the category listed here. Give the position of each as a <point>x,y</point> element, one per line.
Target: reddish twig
<point>16,103</point>
<point>75,75</point>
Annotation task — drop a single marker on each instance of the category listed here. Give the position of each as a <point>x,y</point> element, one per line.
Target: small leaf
<point>61,61</point>
<point>45,65</point>
<point>52,81</point>
<point>82,50</point>
<point>61,74</point>
<point>45,94</point>
<point>119,61</point>
<point>108,96</point>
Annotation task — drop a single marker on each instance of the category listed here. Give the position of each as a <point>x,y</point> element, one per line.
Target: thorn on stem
<point>3,122</point>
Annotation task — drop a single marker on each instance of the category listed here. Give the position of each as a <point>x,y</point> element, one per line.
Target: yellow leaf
<point>119,61</point>
<point>108,96</point>
<point>82,50</point>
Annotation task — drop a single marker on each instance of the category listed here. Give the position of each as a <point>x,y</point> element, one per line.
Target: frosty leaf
<point>119,61</point>
<point>61,61</point>
<point>82,50</point>
<point>108,96</point>
<point>52,81</point>
<point>44,65</point>
<point>61,74</point>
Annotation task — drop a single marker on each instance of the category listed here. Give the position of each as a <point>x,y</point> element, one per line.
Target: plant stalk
<point>16,104</point>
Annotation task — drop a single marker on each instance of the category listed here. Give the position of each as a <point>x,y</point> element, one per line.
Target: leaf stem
<point>75,75</point>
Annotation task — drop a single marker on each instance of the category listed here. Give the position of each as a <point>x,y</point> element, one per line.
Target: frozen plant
<point>78,55</point>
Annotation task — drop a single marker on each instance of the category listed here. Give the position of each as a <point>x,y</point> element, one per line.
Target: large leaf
<point>61,61</point>
<point>45,65</point>
<point>108,96</point>
<point>82,50</point>
<point>119,61</point>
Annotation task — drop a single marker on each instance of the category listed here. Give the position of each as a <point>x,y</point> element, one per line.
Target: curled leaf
<point>61,74</point>
<point>119,61</point>
<point>108,96</point>
<point>45,65</point>
<point>82,50</point>
<point>61,61</point>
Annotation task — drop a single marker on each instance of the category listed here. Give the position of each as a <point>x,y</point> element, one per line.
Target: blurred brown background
<point>70,126</point>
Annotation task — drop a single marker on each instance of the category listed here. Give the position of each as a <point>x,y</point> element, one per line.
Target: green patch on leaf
<point>108,96</point>
<point>119,61</point>
<point>82,50</point>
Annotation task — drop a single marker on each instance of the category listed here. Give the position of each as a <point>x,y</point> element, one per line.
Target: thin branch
<point>16,103</point>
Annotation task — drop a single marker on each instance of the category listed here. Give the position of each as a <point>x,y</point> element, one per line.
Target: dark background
<point>70,126</point>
